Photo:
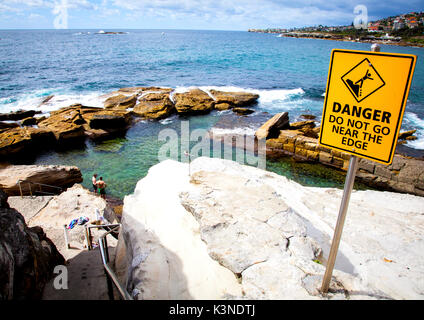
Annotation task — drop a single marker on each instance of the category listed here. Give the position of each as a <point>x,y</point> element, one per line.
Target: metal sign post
<point>350,179</point>
<point>374,148</point>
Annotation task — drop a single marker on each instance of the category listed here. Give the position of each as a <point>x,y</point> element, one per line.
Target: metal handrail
<point>37,184</point>
<point>110,274</point>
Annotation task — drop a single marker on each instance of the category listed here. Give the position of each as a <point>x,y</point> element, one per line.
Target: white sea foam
<point>233,131</point>
<point>33,100</point>
<point>265,95</point>
<point>414,122</point>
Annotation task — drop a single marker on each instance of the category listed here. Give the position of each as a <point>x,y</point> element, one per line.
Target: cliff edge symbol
<point>363,80</point>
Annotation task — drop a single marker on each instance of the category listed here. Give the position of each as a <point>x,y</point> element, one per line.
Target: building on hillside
<point>398,24</point>
<point>373,26</point>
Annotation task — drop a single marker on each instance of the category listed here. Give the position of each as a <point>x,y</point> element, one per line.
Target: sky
<point>192,14</point>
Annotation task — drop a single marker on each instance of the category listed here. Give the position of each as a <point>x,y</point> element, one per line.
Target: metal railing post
<point>20,188</point>
<point>65,230</point>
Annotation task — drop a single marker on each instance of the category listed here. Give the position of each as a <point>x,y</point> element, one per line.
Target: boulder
<point>235,99</point>
<point>243,111</point>
<point>404,135</point>
<point>66,123</point>
<point>17,115</point>
<point>18,140</point>
<point>29,121</point>
<point>223,106</point>
<point>121,101</point>
<point>275,242</point>
<point>271,128</point>
<point>302,124</point>
<point>154,106</point>
<point>27,257</point>
<point>59,176</point>
<point>194,101</point>
<point>109,119</point>
<point>308,116</point>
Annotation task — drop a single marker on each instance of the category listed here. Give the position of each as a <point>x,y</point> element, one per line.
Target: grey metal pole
<point>350,179</point>
<point>65,230</point>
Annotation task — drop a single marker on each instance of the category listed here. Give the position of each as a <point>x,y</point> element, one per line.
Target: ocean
<point>78,66</point>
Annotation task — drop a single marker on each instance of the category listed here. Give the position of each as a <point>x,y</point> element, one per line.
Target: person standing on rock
<point>94,181</point>
<point>102,186</point>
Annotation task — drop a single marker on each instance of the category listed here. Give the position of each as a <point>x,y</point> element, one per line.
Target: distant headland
<point>405,30</point>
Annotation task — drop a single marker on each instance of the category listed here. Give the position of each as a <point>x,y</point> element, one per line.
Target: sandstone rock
<point>302,125</point>
<point>271,128</point>
<point>235,99</point>
<point>65,123</point>
<point>271,240</point>
<point>154,106</point>
<point>27,257</point>
<point>243,111</point>
<point>121,101</point>
<point>223,106</point>
<point>193,101</point>
<point>59,176</point>
<point>404,135</point>
<point>17,140</point>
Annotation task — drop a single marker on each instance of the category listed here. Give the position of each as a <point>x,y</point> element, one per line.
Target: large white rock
<point>238,231</point>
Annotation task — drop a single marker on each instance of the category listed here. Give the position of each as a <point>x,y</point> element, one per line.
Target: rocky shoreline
<point>337,37</point>
<point>72,125</point>
<point>122,108</point>
<point>300,140</point>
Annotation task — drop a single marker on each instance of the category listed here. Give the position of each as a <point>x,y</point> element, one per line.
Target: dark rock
<point>6,126</point>
<point>29,121</point>
<point>404,135</point>
<point>17,115</point>
<point>243,111</point>
<point>27,258</point>
<point>3,199</point>
<point>308,116</point>
<point>102,121</point>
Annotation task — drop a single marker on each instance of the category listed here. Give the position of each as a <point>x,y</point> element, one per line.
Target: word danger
<point>357,132</point>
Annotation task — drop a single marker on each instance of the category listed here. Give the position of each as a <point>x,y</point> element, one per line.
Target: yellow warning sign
<point>365,101</point>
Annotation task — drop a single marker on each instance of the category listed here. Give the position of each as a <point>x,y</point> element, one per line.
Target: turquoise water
<point>77,66</point>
